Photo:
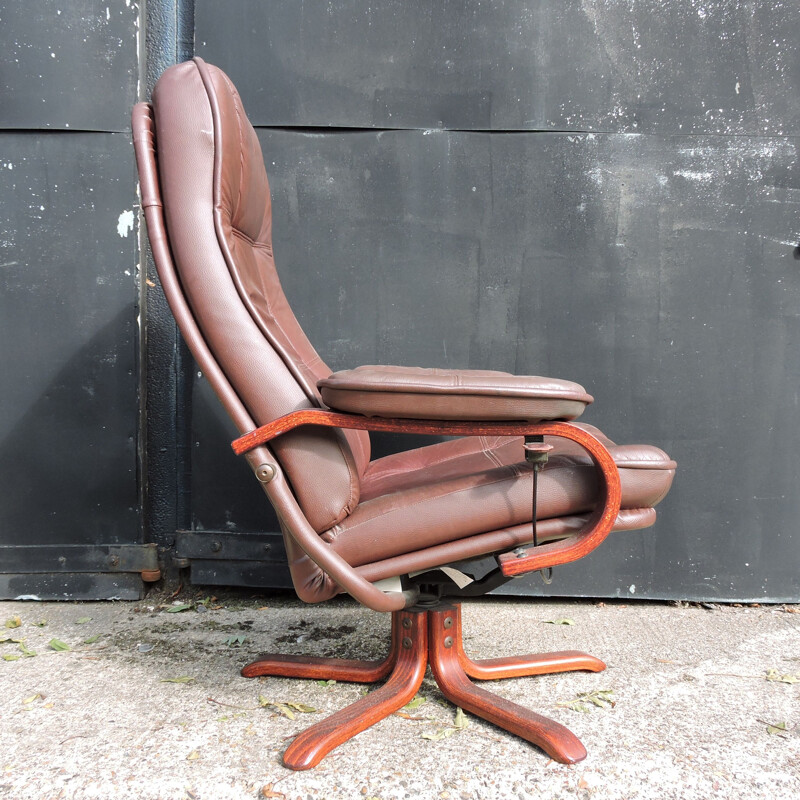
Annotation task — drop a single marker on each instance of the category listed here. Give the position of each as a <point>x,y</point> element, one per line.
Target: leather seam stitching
<point>252,242</point>
<point>239,127</point>
<point>489,452</point>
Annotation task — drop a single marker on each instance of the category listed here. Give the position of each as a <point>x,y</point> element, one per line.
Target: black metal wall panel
<point>666,66</point>
<point>658,271</point>
<point>68,65</point>
<point>68,300</point>
<point>224,494</point>
<point>68,400</point>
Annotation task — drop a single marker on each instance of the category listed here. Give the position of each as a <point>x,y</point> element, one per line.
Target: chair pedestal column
<point>419,638</point>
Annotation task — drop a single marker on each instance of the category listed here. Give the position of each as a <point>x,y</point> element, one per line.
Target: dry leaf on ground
<point>602,698</point>
<point>774,675</point>
<point>177,609</point>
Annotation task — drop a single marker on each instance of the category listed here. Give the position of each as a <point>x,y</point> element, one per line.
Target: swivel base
<point>420,638</point>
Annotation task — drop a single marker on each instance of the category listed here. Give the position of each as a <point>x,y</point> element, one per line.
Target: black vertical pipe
<point>166,365</point>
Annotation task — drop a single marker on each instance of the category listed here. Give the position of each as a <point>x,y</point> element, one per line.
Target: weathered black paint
<point>68,65</point>
<point>76,558</point>
<point>255,574</point>
<point>226,546</point>
<point>71,586</point>
<point>223,558</point>
<point>68,291</point>
<point>665,66</point>
<point>67,310</point>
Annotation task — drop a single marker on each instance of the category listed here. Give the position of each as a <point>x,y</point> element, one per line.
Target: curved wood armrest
<point>531,559</point>
<point>599,524</point>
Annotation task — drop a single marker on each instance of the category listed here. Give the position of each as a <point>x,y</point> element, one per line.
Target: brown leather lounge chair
<point>379,530</point>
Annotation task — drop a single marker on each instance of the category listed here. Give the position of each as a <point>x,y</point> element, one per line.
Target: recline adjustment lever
<point>536,454</point>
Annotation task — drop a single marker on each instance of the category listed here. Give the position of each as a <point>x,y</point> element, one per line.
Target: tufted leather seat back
<point>218,215</point>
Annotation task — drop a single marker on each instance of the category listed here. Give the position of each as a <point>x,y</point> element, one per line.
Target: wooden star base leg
<point>420,638</point>
<point>406,662</point>
<point>447,660</point>
<point>492,669</point>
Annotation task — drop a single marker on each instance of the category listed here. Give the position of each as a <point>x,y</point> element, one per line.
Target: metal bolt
<point>406,623</point>
<point>407,643</point>
<point>216,547</point>
<point>448,641</point>
<point>448,622</point>
<point>268,546</point>
<point>265,473</point>
<point>520,552</point>
<point>114,561</point>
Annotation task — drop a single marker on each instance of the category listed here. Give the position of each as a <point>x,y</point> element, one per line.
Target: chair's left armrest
<point>531,559</point>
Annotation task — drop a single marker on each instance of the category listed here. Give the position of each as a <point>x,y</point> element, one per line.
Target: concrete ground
<point>149,704</point>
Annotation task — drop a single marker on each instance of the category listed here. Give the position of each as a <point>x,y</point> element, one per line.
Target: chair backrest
<point>217,209</point>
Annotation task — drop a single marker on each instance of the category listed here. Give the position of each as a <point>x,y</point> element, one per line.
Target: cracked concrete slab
<point>692,703</point>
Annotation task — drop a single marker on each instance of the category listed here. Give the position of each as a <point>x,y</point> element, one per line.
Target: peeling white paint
<point>694,175</point>
<point>125,223</point>
<point>632,588</point>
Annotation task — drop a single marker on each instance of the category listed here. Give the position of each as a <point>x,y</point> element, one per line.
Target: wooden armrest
<point>432,427</point>
<point>521,560</point>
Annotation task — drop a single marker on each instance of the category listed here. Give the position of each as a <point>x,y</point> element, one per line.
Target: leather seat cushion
<point>473,485</point>
<point>419,393</point>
